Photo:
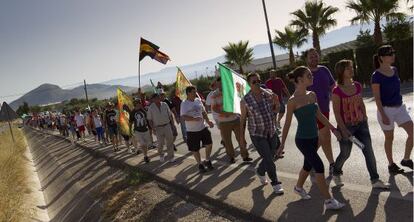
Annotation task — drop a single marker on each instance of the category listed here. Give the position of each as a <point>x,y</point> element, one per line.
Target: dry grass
<point>12,176</point>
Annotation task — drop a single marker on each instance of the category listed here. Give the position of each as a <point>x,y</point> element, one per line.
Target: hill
<point>49,93</point>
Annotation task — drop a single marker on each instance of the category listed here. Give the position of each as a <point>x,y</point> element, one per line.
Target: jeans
<point>361,132</point>
<point>100,132</point>
<point>266,147</point>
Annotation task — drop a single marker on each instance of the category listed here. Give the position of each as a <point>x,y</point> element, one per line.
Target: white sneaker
<point>302,193</point>
<point>333,204</point>
<point>278,189</point>
<point>172,160</point>
<point>338,180</point>
<point>380,185</point>
<point>162,158</point>
<point>263,179</point>
<point>131,151</point>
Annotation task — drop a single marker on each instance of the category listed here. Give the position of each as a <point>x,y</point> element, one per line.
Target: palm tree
<point>238,54</point>
<point>314,17</point>
<point>289,39</point>
<point>374,10</point>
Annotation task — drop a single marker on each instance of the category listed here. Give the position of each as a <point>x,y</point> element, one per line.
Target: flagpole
<point>8,121</point>
<point>139,65</point>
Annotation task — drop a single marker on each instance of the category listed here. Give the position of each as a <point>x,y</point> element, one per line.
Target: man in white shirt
<point>80,123</point>
<point>159,118</point>
<point>195,117</point>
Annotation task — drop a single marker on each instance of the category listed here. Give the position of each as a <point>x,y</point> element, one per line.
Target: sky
<point>64,42</point>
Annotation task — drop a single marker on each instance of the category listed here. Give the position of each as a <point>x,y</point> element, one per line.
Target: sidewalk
<point>237,189</point>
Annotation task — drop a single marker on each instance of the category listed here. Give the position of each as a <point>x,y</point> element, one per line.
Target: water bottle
<point>356,141</point>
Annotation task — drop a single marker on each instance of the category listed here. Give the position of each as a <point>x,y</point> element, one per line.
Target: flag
<point>234,87</point>
<point>153,87</point>
<point>148,48</point>
<point>125,105</point>
<point>180,84</point>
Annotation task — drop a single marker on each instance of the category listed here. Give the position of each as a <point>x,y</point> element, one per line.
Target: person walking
<point>97,125</point>
<point>228,122</point>
<point>141,133</point>
<point>303,104</point>
<point>259,107</point>
<point>279,88</point>
<point>390,108</point>
<point>159,116</point>
<point>80,124</point>
<point>323,84</point>
<point>112,126</point>
<point>196,118</point>
<point>351,116</point>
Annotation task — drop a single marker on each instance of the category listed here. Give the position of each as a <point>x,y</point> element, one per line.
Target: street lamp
<point>269,36</point>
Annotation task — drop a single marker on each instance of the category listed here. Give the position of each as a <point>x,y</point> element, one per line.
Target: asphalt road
<point>356,175</point>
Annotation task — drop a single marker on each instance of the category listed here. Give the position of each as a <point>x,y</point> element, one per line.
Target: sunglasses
<point>256,81</point>
<point>391,53</point>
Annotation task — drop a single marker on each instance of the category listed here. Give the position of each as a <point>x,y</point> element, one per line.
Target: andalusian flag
<point>180,84</point>
<point>125,105</point>
<point>148,48</point>
<point>234,87</point>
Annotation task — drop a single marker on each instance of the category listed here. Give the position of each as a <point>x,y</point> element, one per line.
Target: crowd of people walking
<point>262,110</point>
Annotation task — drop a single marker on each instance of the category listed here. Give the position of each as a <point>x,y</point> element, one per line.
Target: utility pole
<point>269,36</point>
<point>86,91</point>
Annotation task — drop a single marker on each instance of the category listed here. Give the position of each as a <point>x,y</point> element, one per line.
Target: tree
<point>23,109</point>
<point>364,38</point>
<point>397,29</point>
<point>314,17</point>
<point>238,54</point>
<point>288,39</point>
<point>374,10</point>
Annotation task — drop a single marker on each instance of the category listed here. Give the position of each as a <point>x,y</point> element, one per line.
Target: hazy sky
<point>63,42</point>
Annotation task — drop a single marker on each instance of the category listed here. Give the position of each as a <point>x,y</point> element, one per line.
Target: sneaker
<point>333,204</point>
<point>338,180</point>
<point>201,168</point>
<point>263,179</point>
<point>277,189</point>
<point>407,163</point>
<point>380,185</point>
<point>247,159</point>
<point>208,164</point>
<point>172,160</point>
<point>302,193</point>
<point>393,168</point>
<point>162,159</point>
<point>131,151</point>
<point>175,148</point>
<point>146,159</point>
<point>232,160</point>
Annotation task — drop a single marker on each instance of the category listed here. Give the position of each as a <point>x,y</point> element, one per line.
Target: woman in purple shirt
<point>386,90</point>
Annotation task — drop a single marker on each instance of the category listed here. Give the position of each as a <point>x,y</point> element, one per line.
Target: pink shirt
<point>350,105</point>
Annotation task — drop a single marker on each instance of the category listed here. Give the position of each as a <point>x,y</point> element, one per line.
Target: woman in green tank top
<point>303,105</point>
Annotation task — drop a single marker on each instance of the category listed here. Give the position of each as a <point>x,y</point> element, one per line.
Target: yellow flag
<point>180,84</point>
<point>125,105</point>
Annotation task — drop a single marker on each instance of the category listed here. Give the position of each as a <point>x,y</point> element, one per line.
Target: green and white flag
<point>234,87</point>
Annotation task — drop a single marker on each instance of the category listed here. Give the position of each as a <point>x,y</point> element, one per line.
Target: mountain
<point>48,93</point>
<point>207,67</point>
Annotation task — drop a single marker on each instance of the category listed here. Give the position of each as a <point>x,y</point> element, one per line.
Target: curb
<point>182,191</point>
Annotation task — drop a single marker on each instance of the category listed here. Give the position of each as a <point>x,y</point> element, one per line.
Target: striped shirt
<point>260,114</point>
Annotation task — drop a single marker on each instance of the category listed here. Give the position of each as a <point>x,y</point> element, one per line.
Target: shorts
<point>143,138</point>
<point>320,125</point>
<point>194,139</point>
<point>81,128</point>
<point>397,114</point>
<point>113,130</point>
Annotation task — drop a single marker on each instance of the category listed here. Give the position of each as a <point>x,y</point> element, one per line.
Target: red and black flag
<point>148,48</point>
